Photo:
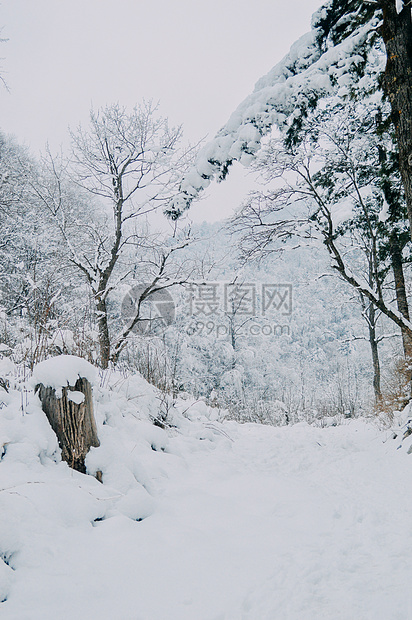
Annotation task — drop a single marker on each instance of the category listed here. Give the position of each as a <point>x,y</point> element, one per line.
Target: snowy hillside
<point>314,360</point>
<point>205,520</point>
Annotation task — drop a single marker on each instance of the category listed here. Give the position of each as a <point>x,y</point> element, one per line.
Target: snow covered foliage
<point>333,58</point>
<point>330,185</point>
<point>38,308</point>
<point>68,263</point>
<point>260,377</point>
<point>78,252</point>
<point>274,369</point>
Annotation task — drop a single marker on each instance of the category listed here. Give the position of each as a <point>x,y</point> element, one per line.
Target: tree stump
<point>72,419</point>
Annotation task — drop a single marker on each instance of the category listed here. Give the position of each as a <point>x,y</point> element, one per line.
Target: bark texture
<point>374,352</point>
<point>401,298</point>
<point>104,336</point>
<point>73,422</point>
<point>397,35</point>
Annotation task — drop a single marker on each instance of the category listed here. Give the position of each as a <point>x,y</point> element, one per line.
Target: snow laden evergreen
<point>337,56</point>
<point>339,65</point>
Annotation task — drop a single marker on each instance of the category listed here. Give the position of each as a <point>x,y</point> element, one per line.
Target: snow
<point>384,212</point>
<point>61,371</point>
<point>206,520</point>
<point>342,212</point>
<point>399,5</point>
<point>75,397</point>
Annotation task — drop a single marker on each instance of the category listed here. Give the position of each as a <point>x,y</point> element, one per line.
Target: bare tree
<point>30,285</point>
<point>131,163</point>
<point>329,190</point>
<point>2,80</point>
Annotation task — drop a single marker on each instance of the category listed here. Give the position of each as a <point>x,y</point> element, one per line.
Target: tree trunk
<point>72,419</point>
<point>402,302</point>
<point>397,36</point>
<point>375,352</point>
<point>104,337</point>
<point>400,289</point>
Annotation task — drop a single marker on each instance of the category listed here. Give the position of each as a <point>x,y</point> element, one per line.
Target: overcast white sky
<point>199,59</point>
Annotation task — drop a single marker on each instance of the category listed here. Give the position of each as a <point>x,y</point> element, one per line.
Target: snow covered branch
<point>312,69</point>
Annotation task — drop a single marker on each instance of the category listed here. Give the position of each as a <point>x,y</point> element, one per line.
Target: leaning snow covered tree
<point>344,56</point>
<point>337,186</point>
<point>338,57</point>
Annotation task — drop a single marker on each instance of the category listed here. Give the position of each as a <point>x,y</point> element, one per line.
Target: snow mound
<point>49,511</point>
<point>61,371</point>
<point>197,507</point>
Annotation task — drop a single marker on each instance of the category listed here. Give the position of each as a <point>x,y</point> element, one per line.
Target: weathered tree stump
<point>72,419</point>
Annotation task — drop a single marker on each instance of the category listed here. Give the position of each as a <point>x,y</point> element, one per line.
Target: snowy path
<point>277,524</point>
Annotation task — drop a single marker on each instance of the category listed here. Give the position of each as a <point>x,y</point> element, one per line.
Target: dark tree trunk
<point>397,36</point>
<point>375,352</point>
<point>104,337</point>
<point>72,421</point>
<point>400,289</point>
<point>402,303</point>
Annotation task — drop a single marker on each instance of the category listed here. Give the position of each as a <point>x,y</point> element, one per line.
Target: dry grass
<point>396,393</point>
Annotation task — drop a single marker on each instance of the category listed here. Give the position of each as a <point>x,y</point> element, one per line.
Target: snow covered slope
<point>204,521</point>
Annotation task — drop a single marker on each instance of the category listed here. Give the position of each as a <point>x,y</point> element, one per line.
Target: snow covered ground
<point>207,521</point>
